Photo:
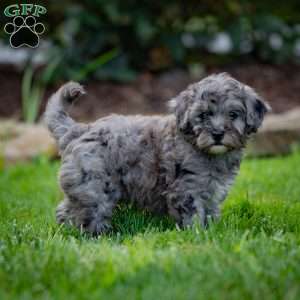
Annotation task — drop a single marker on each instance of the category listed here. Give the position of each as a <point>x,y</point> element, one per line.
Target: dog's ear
<point>256,110</point>
<point>179,106</point>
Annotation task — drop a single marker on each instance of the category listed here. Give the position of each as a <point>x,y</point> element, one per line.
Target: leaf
<point>96,63</point>
<point>31,96</point>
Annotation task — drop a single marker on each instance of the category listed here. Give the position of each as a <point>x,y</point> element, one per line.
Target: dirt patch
<point>148,94</point>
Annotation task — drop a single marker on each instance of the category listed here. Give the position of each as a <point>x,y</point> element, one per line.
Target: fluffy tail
<point>56,117</point>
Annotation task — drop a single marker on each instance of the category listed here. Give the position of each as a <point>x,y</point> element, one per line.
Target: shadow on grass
<point>127,221</point>
<point>269,217</point>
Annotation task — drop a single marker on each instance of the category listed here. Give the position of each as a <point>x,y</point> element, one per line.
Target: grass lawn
<point>252,253</point>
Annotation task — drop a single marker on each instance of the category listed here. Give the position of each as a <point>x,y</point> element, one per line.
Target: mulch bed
<point>279,85</point>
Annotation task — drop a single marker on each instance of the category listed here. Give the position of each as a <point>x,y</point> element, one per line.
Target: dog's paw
<point>72,90</point>
<point>95,227</point>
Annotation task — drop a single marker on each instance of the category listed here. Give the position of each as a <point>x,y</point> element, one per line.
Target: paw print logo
<point>24,32</point>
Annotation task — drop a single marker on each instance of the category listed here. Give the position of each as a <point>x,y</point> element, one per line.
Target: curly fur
<point>181,164</point>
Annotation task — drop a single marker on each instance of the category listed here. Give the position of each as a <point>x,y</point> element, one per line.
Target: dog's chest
<point>220,177</point>
<point>219,187</point>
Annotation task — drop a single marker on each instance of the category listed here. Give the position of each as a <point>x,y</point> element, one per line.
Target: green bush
<point>156,35</point>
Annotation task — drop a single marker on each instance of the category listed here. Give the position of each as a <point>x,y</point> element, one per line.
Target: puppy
<point>181,164</point>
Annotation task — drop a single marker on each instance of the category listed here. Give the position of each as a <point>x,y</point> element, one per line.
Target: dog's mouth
<point>210,145</point>
<point>217,149</point>
<point>218,143</point>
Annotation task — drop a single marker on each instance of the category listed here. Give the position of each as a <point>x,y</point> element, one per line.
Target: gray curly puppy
<point>180,164</point>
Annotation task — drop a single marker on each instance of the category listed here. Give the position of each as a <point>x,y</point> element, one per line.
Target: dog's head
<point>218,113</point>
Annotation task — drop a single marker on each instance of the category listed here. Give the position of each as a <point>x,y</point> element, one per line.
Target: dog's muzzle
<point>217,149</point>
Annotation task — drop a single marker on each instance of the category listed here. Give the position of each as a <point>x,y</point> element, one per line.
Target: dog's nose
<point>218,135</point>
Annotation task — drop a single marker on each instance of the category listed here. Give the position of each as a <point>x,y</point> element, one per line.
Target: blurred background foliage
<point>117,39</point>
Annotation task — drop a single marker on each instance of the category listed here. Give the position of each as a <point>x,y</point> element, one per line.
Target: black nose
<point>218,135</point>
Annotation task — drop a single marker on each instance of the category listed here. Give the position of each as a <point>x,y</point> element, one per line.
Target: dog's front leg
<point>188,204</point>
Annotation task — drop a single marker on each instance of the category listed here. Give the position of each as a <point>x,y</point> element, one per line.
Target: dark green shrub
<point>118,38</point>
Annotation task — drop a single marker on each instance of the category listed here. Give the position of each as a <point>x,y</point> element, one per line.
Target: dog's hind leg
<point>91,196</point>
<point>92,218</point>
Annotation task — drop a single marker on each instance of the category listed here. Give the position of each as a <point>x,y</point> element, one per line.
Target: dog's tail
<point>56,117</point>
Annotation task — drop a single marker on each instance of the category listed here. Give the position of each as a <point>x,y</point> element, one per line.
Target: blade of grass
<point>25,90</point>
<point>96,63</point>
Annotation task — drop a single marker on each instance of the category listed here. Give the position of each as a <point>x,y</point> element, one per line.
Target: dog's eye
<point>204,115</point>
<point>233,115</point>
<point>201,116</point>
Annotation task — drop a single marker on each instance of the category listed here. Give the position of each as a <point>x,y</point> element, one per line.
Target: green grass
<point>252,253</point>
